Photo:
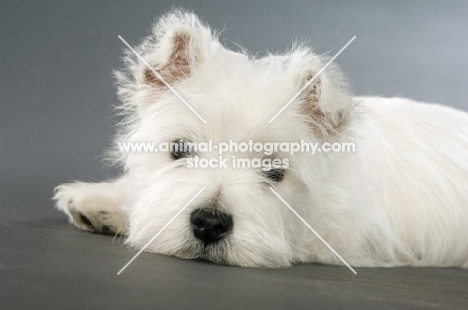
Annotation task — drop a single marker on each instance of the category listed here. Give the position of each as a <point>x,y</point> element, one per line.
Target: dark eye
<point>181,148</point>
<point>276,175</point>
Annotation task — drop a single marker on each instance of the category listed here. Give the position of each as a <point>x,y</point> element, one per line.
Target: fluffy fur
<point>400,199</point>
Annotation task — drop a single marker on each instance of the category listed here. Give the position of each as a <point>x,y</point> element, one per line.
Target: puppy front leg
<point>95,207</point>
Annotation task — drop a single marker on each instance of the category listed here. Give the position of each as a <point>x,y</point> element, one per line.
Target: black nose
<point>210,225</point>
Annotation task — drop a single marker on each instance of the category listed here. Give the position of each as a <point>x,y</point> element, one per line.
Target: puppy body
<point>399,199</point>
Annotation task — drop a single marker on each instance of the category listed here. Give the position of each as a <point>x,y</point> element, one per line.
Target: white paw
<point>91,207</point>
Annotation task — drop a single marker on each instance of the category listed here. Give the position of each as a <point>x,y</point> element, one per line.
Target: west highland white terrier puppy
<point>400,198</point>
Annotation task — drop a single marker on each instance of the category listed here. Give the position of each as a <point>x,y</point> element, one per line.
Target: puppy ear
<point>178,44</point>
<point>326,100</point>
<point>177,64</point>
<point>175,48</point>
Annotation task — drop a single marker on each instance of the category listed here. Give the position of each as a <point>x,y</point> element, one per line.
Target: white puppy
<point>401,198</point>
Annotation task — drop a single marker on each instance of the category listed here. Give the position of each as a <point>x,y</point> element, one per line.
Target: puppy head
<point>237,219</point>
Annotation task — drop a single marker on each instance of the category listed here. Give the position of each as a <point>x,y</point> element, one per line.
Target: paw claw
<point>85,220</point>
<point>106,230</point>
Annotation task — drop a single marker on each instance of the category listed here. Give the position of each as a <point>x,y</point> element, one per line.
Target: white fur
<point>400,199</point>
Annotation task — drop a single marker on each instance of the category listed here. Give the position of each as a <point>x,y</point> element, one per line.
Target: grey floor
<point>56,118</point>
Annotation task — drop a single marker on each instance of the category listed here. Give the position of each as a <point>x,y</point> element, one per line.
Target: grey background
<point>56,118</point>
